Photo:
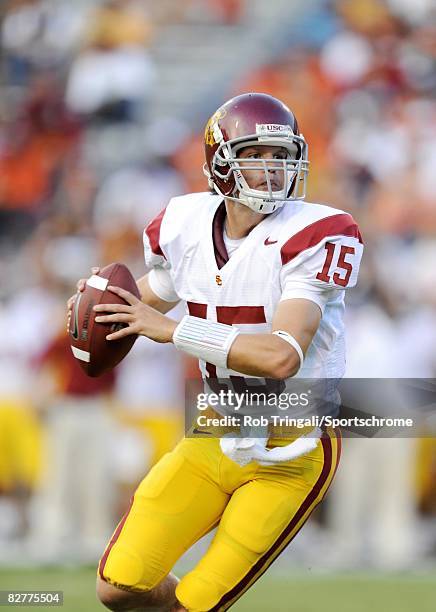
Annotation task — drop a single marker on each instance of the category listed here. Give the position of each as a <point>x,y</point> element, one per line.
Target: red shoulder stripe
<point>153,232</point>
<point>337,225</point>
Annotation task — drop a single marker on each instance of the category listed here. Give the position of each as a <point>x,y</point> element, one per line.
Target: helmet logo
<point>212,132</point>
<point>273,129</point>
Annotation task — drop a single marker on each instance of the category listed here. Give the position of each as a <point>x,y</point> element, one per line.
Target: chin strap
<point>245,450</point>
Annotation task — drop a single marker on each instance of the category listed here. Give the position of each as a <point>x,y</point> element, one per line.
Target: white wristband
<point>291,340</point>
<point>204,339</point>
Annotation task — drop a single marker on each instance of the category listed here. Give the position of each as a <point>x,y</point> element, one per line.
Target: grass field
<point>293,593</point>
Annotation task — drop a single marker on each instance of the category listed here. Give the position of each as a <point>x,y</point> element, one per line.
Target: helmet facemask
<point>294,168</point>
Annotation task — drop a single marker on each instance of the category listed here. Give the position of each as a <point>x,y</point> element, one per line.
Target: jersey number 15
<point>338,279</point>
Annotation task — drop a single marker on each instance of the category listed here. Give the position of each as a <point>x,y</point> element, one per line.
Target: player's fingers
<point>122,333</point>
<point>112,308</point>
<point>126,295</point>
<point>81,284</point>
<point>120,317</point>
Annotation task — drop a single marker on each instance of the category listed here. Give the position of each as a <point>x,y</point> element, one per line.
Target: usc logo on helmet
<point>209,132</point>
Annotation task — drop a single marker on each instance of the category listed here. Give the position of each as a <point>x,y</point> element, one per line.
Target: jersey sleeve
<point>321,260</point>
<point>153,251</point>
<point>159,278</point>
<point>161,283</point>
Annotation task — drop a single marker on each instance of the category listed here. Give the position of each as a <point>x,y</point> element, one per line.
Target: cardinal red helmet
<point>247,120</point>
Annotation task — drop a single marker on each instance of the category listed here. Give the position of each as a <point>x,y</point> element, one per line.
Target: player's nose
<point>272,169</point>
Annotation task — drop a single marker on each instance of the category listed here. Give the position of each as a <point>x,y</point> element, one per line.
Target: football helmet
<point>249,120</point>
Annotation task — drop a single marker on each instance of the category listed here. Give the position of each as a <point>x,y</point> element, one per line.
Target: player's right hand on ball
<point>81,284</point>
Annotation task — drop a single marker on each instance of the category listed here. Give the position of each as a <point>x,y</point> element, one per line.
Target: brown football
<point>88,341</point>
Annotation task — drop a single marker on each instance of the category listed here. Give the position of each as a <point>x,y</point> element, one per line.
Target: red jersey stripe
<point>337,225</point>
<point>197,310</point>
<point>153,232</point>
<point>240,314</point>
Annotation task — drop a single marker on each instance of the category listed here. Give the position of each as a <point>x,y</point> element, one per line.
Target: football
<point>94,353</point>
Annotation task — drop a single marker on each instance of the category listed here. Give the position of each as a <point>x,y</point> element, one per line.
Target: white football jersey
<point>302,250</point>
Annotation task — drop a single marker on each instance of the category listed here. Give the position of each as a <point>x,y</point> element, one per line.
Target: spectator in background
<point>38,35</point>
<point>23,328</point>
<point>150,398</point>
<point>34,149</point>
<point>192,149</point>
<point>133,195</point>
<point>374,497</point>
<point>73,511</point>
<point>225,12</point>
<point>112,76</point>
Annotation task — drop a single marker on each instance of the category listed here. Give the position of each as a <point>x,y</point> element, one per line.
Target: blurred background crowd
<point>102,108</point>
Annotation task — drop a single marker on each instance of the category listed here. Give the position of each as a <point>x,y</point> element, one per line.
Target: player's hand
<point>80,285</point>
<point>138,317</point>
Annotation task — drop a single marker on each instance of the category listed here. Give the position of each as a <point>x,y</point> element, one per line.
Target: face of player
<point>254,157</point>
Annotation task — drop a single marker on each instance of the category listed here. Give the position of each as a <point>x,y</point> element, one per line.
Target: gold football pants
<point>258,511</point>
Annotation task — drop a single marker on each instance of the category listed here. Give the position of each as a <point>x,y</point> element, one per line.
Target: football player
<point>263,274</point>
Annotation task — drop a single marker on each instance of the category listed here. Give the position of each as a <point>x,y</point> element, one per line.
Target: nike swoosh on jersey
<point>268,241</point>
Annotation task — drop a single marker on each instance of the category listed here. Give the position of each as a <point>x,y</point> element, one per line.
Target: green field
<point>299,593</point>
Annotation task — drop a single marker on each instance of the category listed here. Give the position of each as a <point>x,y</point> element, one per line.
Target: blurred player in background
<point>73,505</point>
<point>263,274</point>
